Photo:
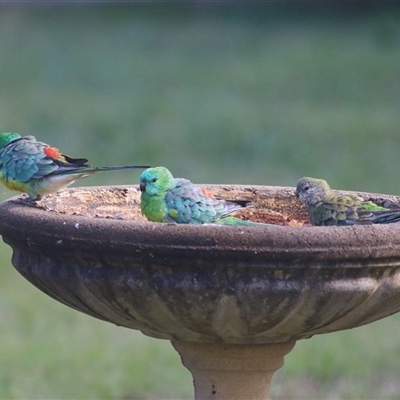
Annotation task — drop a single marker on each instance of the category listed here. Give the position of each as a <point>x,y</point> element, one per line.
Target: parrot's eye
<point>154,180</point>
<point>306,187</point>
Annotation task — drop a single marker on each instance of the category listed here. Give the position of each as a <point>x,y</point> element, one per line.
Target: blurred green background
<point>219,94</point>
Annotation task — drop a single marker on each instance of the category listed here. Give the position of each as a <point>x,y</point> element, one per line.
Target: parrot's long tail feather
<point>378,217</point>
<point>233,221</point>
<point>92,170</point>
<point>387,218</point>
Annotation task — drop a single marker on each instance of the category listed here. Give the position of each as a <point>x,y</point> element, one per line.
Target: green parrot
<point>168,199</point>
<point>327,207</point>
<point>35,168</point>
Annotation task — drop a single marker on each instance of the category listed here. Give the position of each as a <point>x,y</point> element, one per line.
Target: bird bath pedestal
<point>233,300</point>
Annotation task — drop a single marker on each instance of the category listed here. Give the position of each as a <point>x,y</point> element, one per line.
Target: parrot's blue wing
<point>187,203</point>
<point>24,159</point>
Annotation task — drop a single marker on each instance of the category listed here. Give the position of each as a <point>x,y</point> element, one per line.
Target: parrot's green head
<point>8,137</point>
<point>156,181</point>
<point>311,191</point>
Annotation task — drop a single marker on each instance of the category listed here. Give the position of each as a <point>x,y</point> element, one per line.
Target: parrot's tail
<point>232,221</point>
<point>93,170</point>
<point>378,217</point>
<point>386,217</point>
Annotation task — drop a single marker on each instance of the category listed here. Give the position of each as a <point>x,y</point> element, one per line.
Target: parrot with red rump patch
<point>35,168</point>
<point>177,200</point>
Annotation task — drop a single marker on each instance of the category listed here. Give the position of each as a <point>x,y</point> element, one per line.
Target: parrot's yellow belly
<point>13,185</point>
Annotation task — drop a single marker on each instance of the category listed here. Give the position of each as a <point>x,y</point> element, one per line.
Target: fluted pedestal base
<point>232,371</point>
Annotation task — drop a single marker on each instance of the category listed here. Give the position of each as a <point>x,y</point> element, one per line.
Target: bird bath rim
<point>259,284</point>
<point>307,242</point>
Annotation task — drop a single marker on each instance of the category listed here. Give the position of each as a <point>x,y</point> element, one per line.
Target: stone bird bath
<point>232,300</point>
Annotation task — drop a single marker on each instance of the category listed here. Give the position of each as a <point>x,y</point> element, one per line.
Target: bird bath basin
<point>233,300</point>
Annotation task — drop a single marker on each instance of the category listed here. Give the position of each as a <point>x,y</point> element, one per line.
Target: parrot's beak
<point>296,193</point>
<point>142,186</point>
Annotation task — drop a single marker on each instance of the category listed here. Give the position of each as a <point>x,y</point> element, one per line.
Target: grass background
<point>221,94</point>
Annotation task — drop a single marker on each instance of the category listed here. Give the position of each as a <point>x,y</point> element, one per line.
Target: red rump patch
<point>207,193</point>
<point>52,152</point>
